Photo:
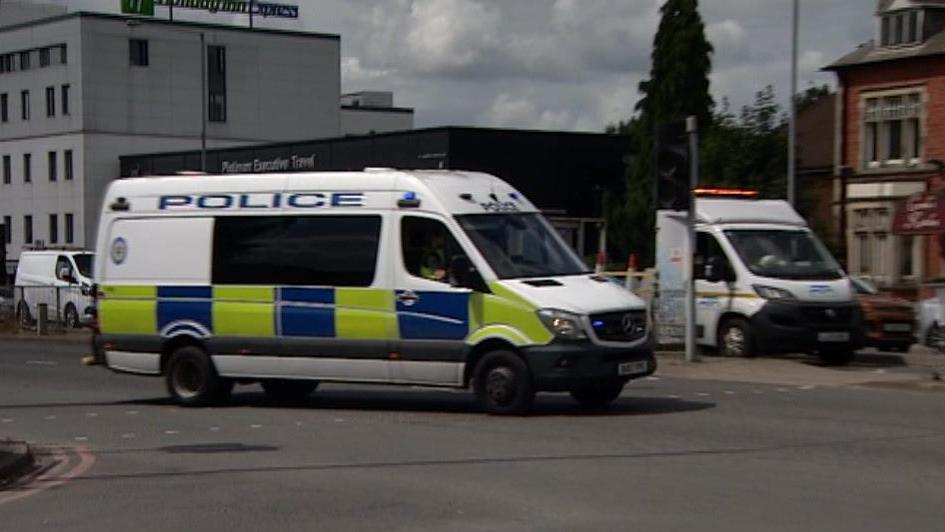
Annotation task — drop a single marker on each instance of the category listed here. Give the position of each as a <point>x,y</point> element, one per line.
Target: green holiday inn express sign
<point>230,7</point>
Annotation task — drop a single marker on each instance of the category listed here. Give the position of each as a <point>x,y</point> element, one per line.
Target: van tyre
<point>288,390</point>
<point>70,317</point>
<point>597,394</point>
<point>503,384</point>
<point>735,339</point>
<point>192,379</point>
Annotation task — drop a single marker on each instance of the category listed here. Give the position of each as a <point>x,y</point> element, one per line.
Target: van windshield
<point>784,254</point>
<point>520,245</point>
<point>83,262</point>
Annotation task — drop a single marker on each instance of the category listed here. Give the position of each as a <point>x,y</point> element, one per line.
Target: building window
<point>63,54</point>
<point>25,105</point>
<point>7,170</point>
<point>44,57</point>
<point>138,50</point>
<point>28,229</point>
<point>53,229</point>
<point>6,63</point>
<point>216,83</point>
<point>50,101</point>
<point>70,235</point>
<point>8,224</point>
<point>53,167</point>
<point>901,28</point>
<point>65,99</point>
<point>24,60</point>
<point>871,241</point>
<point>4,114</point>
<point>892,130</point>
<point>67,165</point>
<point>27,168</point>
<point>906,265</point>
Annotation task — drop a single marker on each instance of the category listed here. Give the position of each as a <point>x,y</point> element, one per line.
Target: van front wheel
<point>735,338</point>
<point>71,317</point>
<point>503,384</point>
<point>192,380</point>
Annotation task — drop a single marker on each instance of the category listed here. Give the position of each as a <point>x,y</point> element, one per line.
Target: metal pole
<point>692,127</point>
<point>203,103</point>
<point>792,126</point>
<point>251,2</point>
<point>170,10</point>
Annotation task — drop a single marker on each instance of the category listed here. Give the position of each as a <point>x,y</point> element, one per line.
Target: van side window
<point>296,250</point>
<point>706,248</point>
<point>428,248</point>
<point>63,269</point>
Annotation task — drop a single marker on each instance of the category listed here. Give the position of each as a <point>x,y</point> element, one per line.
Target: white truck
<point>764,282</point>
<point>61,279</point>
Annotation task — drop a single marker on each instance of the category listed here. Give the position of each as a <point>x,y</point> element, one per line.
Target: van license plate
<point>632,368</point>
<point>897,327</point>
<point>833,337</point>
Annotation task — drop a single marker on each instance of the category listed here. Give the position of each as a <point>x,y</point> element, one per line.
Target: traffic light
<point>672,167</point>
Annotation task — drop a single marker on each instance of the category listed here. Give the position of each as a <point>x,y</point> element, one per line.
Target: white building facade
<point>77,90</point>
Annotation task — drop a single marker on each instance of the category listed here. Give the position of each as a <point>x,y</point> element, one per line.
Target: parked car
<point>889,322</point>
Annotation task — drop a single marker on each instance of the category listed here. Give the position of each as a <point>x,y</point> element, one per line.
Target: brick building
<point>890,140</point>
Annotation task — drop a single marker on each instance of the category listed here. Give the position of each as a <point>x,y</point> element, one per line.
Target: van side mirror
<point>717,270</point>
<point>464,275</point>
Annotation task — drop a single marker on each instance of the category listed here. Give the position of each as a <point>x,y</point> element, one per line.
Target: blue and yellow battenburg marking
<point>308,312</point>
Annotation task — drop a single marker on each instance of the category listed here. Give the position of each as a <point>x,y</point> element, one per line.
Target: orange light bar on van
<point>725,192</point>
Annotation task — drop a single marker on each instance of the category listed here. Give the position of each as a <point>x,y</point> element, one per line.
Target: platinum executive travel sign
<point>230,7</point>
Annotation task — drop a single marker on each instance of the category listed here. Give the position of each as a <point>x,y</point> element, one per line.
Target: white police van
<point>764,282</point>
<point>438,278</point>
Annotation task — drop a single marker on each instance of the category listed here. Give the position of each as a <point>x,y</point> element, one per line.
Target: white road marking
<point>339,420</point>
<point>50,417</point>
<point>702,394</point>
<point>128,436</point>
<point>171,432</point>
<point>91,414</point>
<point>651,378</point>
<point>131,412</point>
<point>81,438</point>
<point>7,420</point>
<point>729,392</point>
<point>806,387</point>
<point>673,396</point>
<point>783,390</point>
<point>214,429</point>
<point>254,426</point>
<point>41,363</point>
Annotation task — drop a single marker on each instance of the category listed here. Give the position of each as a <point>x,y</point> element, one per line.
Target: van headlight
<point>772,293</point>
<point>563,324</point>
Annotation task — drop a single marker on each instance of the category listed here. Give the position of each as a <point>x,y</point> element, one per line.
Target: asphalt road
<point>673,454</point>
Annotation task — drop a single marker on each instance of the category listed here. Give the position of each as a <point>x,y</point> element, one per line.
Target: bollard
<point>42,320</point>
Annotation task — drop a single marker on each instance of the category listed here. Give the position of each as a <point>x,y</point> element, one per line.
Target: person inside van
<point>433,265</point>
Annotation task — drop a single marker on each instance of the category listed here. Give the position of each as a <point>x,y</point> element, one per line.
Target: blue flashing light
<point>597,324</point>
<point>514,195</point>
<point>410,195</point>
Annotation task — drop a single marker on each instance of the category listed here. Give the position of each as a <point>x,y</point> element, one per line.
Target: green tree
<point>678,87</point>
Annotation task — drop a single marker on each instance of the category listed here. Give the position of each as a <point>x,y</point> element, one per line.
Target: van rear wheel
<point>192,379</point>
<point>503,384</point>
<point>735,339</point>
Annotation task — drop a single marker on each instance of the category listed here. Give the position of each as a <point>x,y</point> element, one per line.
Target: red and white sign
<point>922,213</point>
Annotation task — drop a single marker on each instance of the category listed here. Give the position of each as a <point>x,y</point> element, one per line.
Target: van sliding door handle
<point>408,298</point>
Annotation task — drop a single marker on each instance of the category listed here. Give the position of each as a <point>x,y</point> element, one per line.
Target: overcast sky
<point>554,64</point>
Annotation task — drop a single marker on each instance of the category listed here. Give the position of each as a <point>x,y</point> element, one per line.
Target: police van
<point>436,278</point>
<point>764,282</point>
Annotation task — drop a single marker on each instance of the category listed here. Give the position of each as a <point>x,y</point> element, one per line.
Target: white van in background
<point>764,282</point>
<point>60,279</point>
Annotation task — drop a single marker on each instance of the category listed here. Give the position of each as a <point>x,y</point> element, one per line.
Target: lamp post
<point>133,23</point>
<point>792,126</point>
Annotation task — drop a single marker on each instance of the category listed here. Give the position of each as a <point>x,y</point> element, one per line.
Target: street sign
<point>922,213</point>
<point>144,8</point>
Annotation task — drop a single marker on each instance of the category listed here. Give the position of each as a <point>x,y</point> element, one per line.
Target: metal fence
<point>59,307</point>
